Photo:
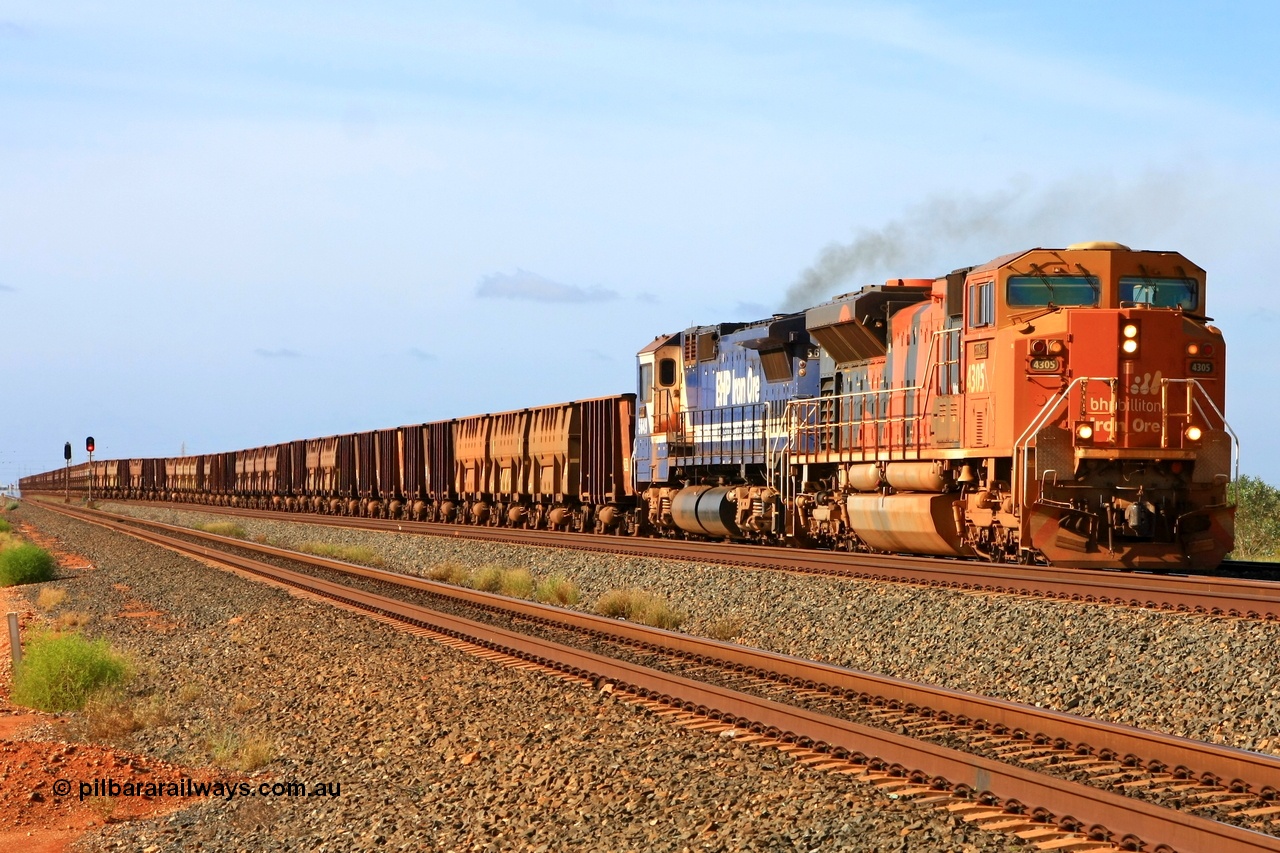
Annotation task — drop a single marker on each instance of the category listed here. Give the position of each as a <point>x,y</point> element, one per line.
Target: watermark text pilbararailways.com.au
<point>108,787</point>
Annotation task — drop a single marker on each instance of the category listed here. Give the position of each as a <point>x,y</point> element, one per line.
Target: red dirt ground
<point>32,817</point>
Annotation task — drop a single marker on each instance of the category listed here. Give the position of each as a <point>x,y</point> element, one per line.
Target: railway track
<point>1250,596</point>
<point>803,707</point>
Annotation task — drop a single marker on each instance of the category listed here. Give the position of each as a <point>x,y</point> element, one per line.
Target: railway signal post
<point>66,456</point>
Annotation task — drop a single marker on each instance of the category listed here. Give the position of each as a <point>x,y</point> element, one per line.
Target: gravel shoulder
<point>433,750</point>
<point>1202,677</point>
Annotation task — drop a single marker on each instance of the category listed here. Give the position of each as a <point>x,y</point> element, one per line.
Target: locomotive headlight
<point>1057,347</point>
<point>1039,347</point>
<point>1084,430</point>
<point>1129,339</point>
<point>1193,433</point>
<point>1193,349</point>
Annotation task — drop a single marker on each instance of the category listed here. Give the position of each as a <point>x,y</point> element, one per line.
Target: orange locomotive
<point>1055,405</point>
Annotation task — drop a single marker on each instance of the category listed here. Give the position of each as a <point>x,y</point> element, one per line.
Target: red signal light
<point>88,444</point>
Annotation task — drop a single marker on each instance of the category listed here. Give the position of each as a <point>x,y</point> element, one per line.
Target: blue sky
<point>223,225</point>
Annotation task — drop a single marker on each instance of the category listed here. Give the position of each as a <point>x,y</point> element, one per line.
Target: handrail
<point>1048,410</point>
<point>1194,384</point>
<point>883,414</point>
<point>914,423</point>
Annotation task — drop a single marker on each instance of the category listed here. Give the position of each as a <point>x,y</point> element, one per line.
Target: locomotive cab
<point>1124,455</point>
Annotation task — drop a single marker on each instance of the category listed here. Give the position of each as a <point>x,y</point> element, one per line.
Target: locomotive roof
<point>659,342</point>
<point>1101,246</point>
<point>1004,259</point>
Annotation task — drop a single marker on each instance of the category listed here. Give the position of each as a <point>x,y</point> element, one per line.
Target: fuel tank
<point>911,523</point>
<point>863,478</point>
<point>918,476</point>
<point>706,510</point>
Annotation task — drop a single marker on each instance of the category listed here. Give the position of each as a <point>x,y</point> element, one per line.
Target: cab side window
<point>667,372</point>
<point>646,383</point>
<point>982,305</point>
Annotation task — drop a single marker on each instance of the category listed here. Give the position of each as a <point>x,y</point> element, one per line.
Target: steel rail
<point>1229,596</point>
<point>1237,769</point>
<point>1255,772</point>
<point>1102,814</point>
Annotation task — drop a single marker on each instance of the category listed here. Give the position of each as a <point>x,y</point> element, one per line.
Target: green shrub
<point>11,506</point>
<point>5,526</point>
<point>1257,519</point>
<point>25,564</point>
<point>60,671</point>
<point>558,589</point>
<point>223,528</point>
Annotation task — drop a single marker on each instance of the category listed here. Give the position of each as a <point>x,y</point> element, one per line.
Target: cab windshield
<point>1160,292</point>
<point>1031,291</point>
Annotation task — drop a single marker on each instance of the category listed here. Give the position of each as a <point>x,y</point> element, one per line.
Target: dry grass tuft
<point>517,583</point>
<point>450,572</point>
<point>726,629</point>
<point>255,753</point>
<point>50,597</point>
<point>488,578</point>
<point>109,714</point>
<point>618,603</point>
<point>346,553</point>
<point>636,605</point>
<point>153,713</point>
<point>189,693</point>
<point>242,705</point>
<point>558,589</point>
<point>230,748</point>
<point>72,620</point>
<point>223,528</point>
<point>222,745</point>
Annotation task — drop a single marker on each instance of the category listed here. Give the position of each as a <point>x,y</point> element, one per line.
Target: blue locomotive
<point>711,425</point>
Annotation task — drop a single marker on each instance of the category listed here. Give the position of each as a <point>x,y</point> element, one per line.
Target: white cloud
<point>523,284</point>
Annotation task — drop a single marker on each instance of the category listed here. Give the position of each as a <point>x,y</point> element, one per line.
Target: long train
<point>1062,406</point>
